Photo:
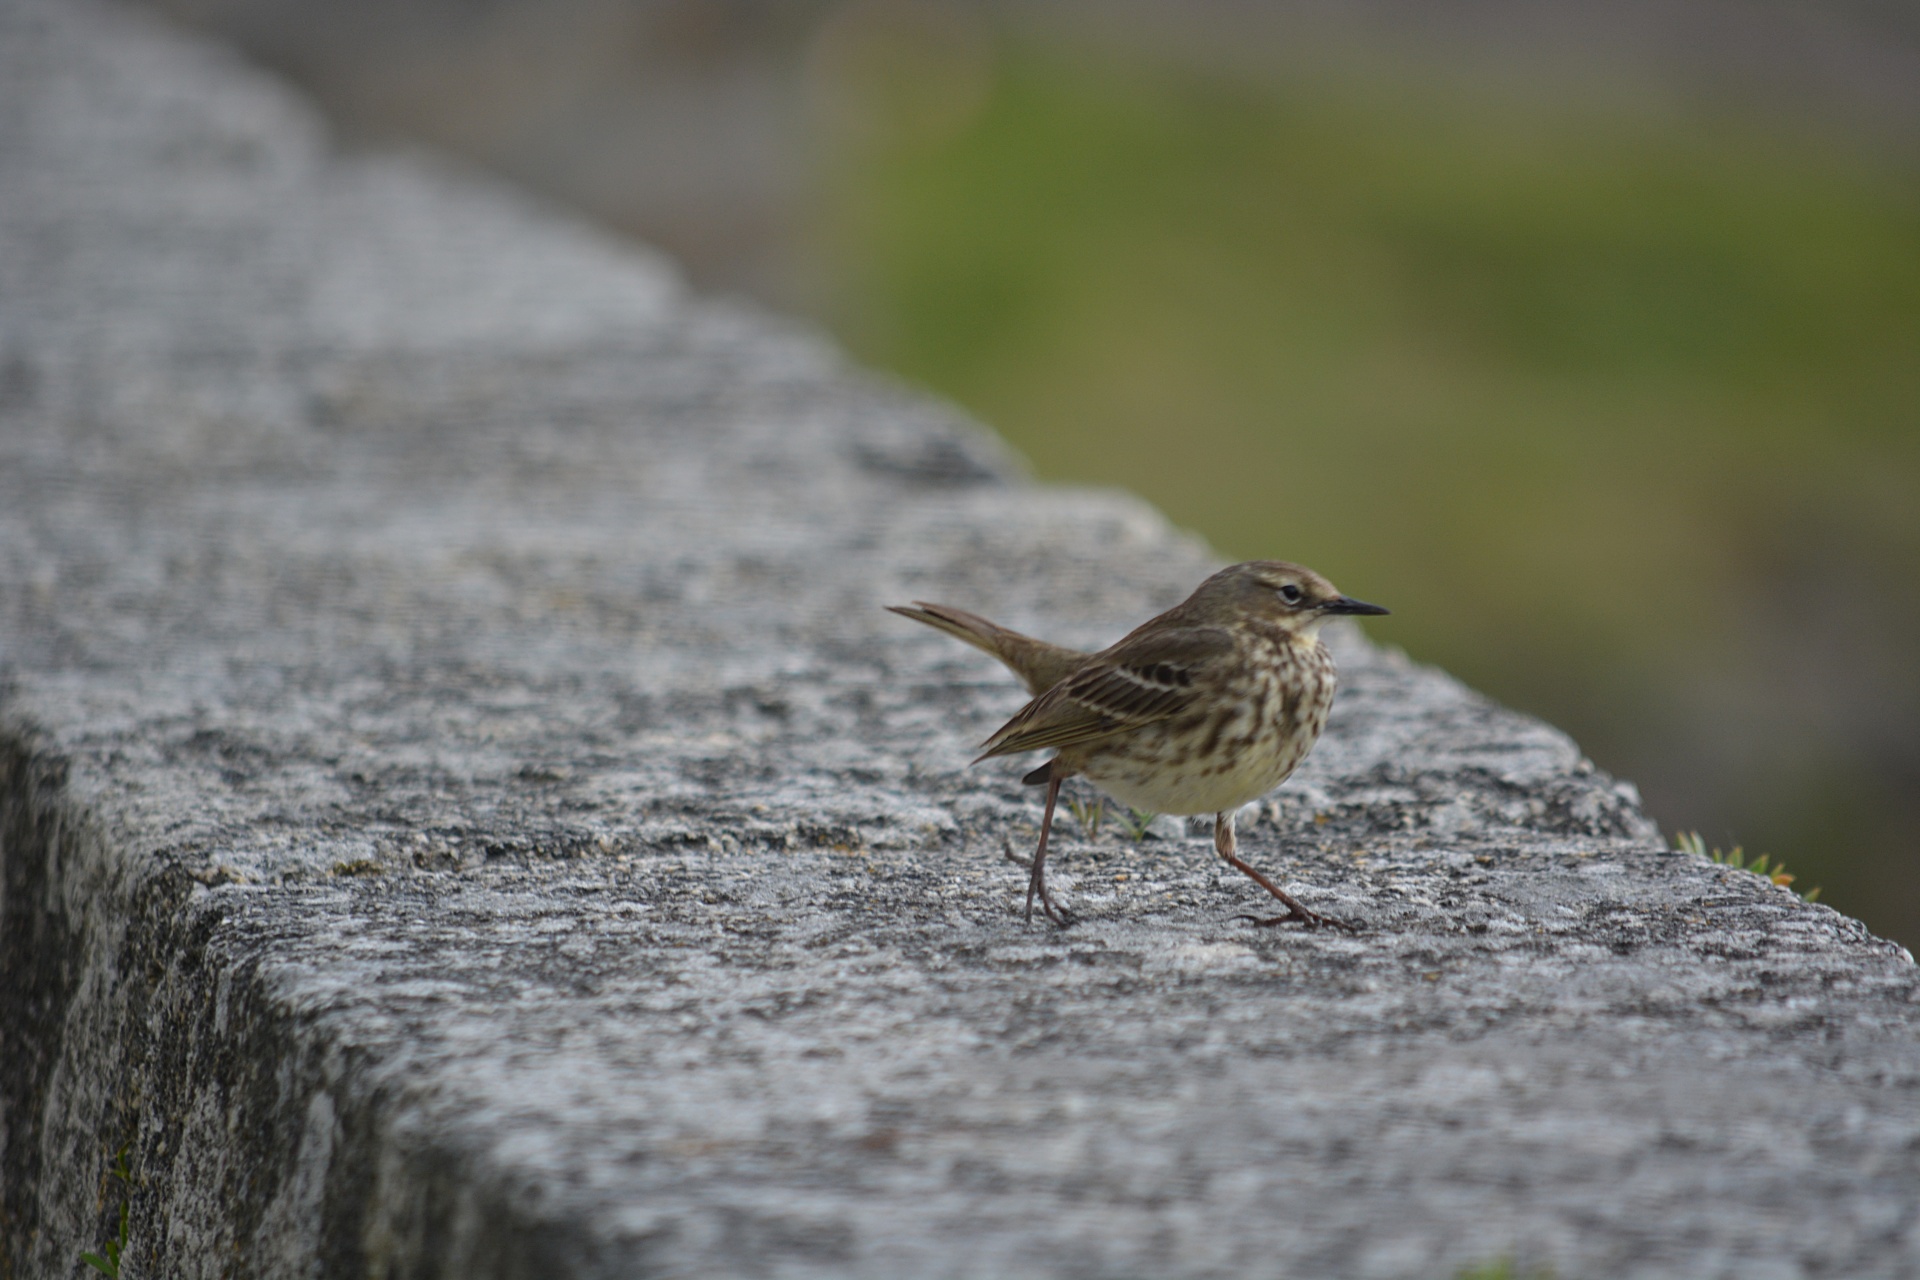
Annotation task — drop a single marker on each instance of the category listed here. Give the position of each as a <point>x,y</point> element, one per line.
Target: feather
<point>1142,679</point>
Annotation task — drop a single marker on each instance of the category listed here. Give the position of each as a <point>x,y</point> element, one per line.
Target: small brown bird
<point>1199,710</point>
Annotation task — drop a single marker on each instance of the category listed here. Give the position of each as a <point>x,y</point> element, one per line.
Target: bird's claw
<point>1048,907</point>
<point>1037,888</point>
<point>1300,915</point>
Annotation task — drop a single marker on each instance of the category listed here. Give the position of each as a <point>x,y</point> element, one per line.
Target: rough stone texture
<point>466,814</point>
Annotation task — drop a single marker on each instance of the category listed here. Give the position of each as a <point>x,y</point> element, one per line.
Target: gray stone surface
<point>464,812</point>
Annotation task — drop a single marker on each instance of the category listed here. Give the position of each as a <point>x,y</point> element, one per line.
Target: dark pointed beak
<point>1347,604</point>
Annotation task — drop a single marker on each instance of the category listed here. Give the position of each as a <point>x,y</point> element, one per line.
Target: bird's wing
<point>1142,679</point>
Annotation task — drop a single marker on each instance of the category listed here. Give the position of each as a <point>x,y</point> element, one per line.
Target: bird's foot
<point>1297,914</point>
<point>1037,888</point>
<point>1054,912</point>
<point>1051,909</point>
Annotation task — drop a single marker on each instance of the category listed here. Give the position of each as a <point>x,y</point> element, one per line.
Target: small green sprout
<point>1090,814</point>
<point>1501,1269</point>
<point>1138,820</point>
<point>109,1265</point>
<point>1692,842</point>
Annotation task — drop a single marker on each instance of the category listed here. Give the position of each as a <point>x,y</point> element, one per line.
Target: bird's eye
<point>1291,594</point>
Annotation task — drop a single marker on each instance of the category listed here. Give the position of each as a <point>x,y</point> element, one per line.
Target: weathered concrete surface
<point>466,814</point>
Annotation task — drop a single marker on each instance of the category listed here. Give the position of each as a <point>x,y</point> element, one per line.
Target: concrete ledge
<point>464,812</point>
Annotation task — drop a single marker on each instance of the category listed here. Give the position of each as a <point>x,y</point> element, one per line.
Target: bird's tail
<point>1039,665</point>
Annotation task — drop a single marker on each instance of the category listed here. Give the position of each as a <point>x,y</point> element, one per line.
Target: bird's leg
<point>1037,881</point>
<point>1224,842</point>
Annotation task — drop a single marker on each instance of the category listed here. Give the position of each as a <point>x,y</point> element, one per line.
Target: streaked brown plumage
<point>1200,710</point>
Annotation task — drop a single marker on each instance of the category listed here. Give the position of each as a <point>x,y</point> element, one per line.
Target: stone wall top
<point>465,812</point>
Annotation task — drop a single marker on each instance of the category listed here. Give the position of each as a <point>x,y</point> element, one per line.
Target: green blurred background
<point>1592,352</point>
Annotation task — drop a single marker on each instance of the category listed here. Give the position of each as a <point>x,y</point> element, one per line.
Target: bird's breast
<point>1231,747</point>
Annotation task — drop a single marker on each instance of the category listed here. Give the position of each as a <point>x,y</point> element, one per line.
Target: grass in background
<point>1616,409</point>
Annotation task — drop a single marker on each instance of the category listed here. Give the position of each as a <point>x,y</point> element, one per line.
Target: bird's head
<point>1294,597</point>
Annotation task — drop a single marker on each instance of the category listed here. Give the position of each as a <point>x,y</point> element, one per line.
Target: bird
<point>1199,710</point>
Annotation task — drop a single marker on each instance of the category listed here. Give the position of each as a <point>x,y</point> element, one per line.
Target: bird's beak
<point>1347,604</point>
